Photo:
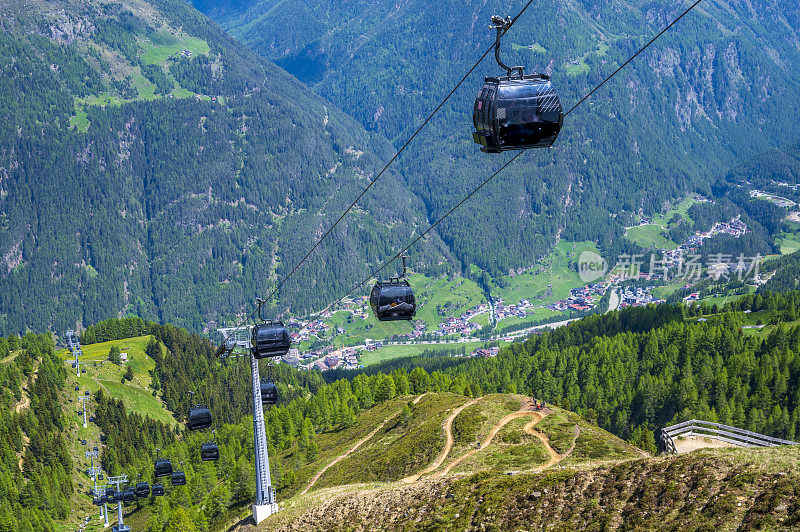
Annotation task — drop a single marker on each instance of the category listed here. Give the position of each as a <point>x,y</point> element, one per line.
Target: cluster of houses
<point>735,228</point>
<point>581,299</point>
<point>638,297</point>
<point>345,358</point>
<point>485,352</point>
<point>454,325</point>
<point>503,311</point>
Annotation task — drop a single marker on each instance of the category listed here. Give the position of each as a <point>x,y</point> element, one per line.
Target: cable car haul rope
<point>512,112</point>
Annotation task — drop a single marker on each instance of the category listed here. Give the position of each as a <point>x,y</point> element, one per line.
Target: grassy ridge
<point>98,373</point>
<point>400,448</point>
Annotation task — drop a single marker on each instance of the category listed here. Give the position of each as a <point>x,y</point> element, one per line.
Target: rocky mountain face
<point>720,87</point>
<point>151,165</point>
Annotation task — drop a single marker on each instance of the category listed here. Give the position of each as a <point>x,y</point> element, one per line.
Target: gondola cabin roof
<point>158,490</point>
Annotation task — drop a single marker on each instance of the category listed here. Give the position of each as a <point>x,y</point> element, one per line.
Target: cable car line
<point>642,49</point>
<point>244,322</point>
<point>508,163</point>
<point>396,155</point>
<point>417,239</point>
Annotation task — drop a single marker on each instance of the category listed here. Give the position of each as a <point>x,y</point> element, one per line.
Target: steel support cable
<point>642,49</point>
<point>393,159</point>
<point>418,238</point>
<point>361,195</point>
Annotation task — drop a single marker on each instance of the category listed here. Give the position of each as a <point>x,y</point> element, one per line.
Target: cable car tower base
<point>264,504</point>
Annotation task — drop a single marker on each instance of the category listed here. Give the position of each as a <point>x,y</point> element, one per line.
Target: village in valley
<point>322,341</point>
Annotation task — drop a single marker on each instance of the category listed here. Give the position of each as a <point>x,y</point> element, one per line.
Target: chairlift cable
<point>476,189</point>
<point>417,239</point>
<point>223,346</point>
<point>642,49</point>
<point>396,155</point>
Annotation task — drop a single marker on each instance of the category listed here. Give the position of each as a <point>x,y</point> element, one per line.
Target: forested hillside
<point>156,167</point>
<point>630,371</point>
<point>718,88</point>
<point>35,467</point>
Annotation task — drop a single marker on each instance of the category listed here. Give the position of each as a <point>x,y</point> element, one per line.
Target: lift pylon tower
<point>74,346</point>
<point>83,399</point>
<point>264,504</point>
<point>93,472</point>
<point>121,527</point>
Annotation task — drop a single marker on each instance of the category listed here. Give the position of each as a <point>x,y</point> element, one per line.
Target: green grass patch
<point>157,47</point>
<point>390,352</point>
<point>333,443</point>
<point>788,245</point>
<point>680,209</point>
<point>467,423</point>
<point>98,373</point>
<point>398,449</point>
<point>576,69</point>
<point>649,235</point>
<point>138,400</point>
<point>559,430</point>
<point>441,298</point>
<point>535,48</point>
<point>558,270</point>
<point>80,121</point>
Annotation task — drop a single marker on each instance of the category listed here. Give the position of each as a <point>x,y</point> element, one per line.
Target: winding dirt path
<point>554,456</point>
<point>25,402</point>
<point>341,457</point>
<point>448,433</point>
<point>488,440</point>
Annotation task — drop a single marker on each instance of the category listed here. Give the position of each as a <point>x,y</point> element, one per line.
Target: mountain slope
<point>156,167</point>
<point>708,490</point>
<point>720,87</point>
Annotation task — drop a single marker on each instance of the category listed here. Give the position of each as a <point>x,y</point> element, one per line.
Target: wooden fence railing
<point>708,429</point>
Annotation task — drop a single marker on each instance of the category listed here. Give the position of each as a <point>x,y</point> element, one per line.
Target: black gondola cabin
<point>163,467</point>
<point>178,478</point>
<point>516,113</point>
<point>393,300</point>
<point>158,490</point>
<point>129,495</point>
<point>269,392</point>
<point>270,339</point>
<point>142,490</point>
<point>209,452</point>
<point>199,418</point>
